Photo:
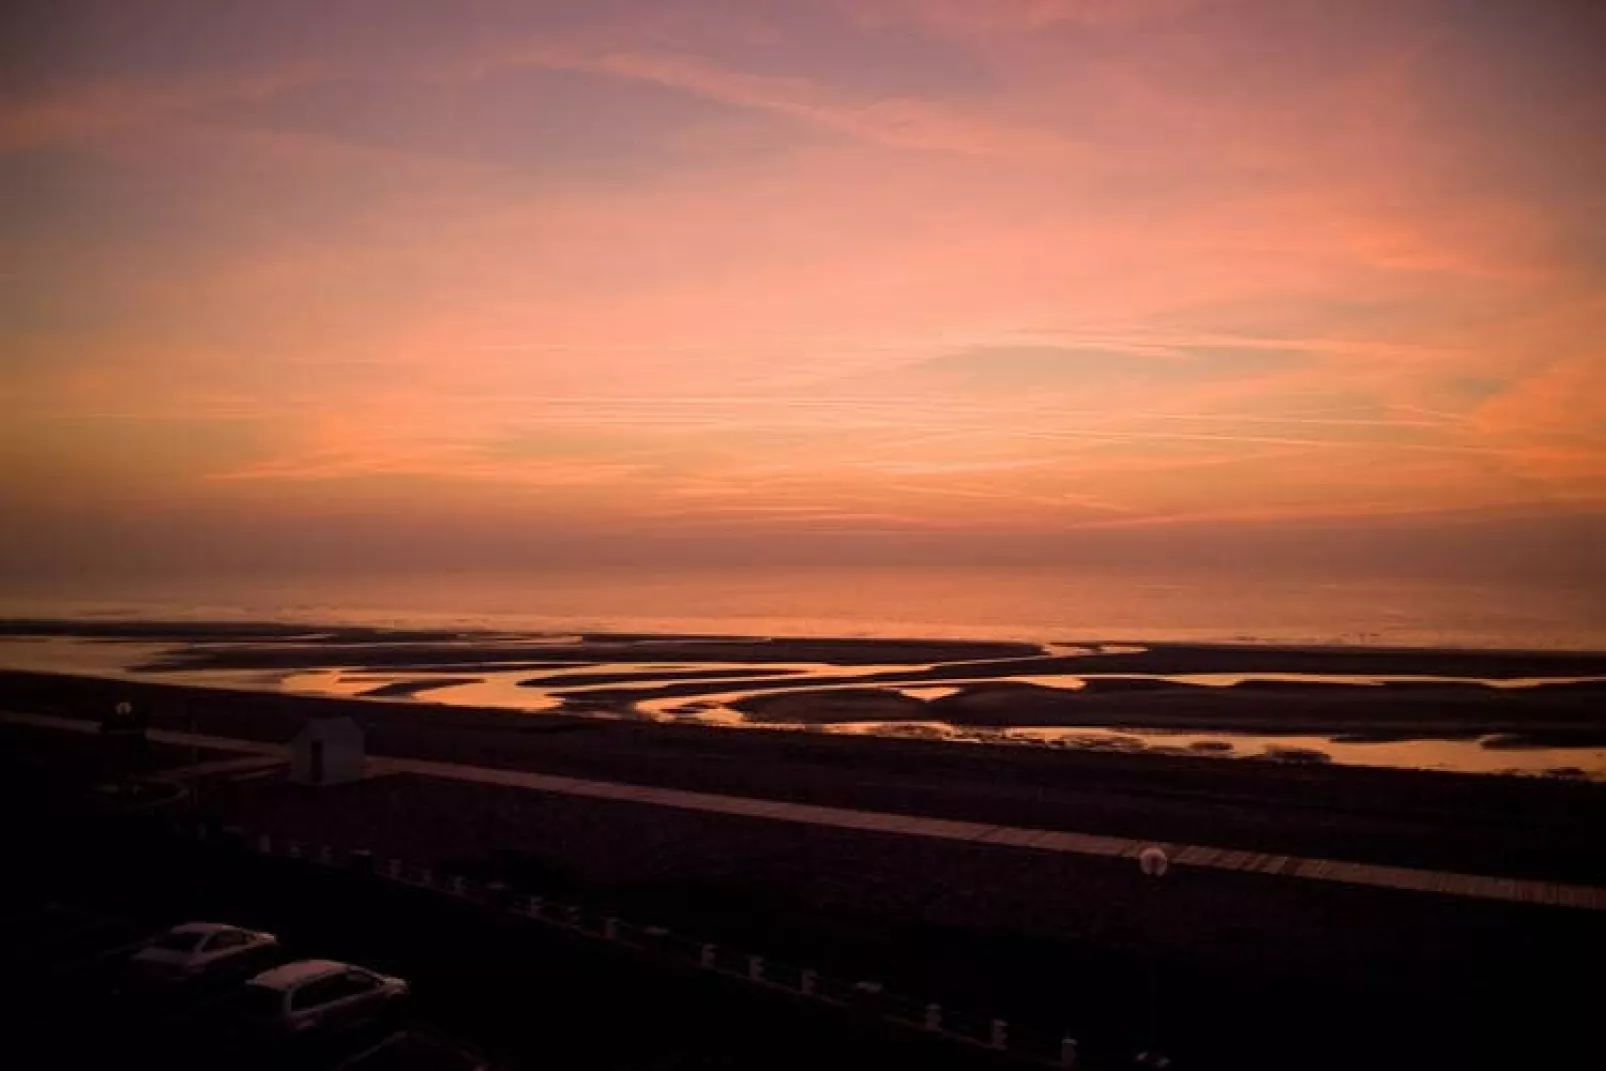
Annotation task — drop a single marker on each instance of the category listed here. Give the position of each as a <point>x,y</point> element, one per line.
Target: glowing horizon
<point>970,273</point>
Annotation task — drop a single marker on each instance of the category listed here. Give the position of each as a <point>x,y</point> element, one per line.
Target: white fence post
<point>1067,1052</point>
<point>933,1016</point>
<point>999,1038</point>
<point>755,968</point>
<point>265,844</point>
<point>806,982</point>
<point>534,908</point>
<point>459,886</point>
<point>393,867</point>
<point>706,957</point>
<point>610,928</point>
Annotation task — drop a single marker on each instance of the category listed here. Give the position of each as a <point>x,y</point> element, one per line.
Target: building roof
<point>293,974</point>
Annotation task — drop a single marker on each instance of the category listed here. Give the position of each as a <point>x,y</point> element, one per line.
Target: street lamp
<point>1154,863</point>
<point>124,732</point>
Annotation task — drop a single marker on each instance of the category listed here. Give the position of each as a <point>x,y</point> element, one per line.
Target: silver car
<point>315,996</point>
<point>203,949</point>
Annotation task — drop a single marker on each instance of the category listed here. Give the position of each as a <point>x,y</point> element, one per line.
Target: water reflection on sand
<point>538,690</point>
<point>496,689</point>
<point>1467,756</point>
<point>546,689</point>
<point>1464,756</point>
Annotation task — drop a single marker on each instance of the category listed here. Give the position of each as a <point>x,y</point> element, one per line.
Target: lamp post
<point>1154,863</point>
<point>125,737</point>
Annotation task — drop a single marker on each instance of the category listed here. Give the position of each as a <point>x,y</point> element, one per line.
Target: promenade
<point>1473,886</point>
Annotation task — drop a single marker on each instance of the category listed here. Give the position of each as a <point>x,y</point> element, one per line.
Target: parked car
<point>203,950</point>
<point>314,997</point>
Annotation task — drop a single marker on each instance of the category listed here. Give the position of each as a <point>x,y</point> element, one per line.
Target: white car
<point>198,949</point>
<point>317,996</point>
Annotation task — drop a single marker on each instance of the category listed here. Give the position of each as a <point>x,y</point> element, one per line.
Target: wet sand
<point>1350,713</point>
<point>410,688</point>
<point>1288,702</point>
<point>472,650</point>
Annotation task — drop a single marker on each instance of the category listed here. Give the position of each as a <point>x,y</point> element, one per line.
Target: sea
<point>1037,604</point>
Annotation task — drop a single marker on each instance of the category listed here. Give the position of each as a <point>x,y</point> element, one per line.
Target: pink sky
<point>995,270</point>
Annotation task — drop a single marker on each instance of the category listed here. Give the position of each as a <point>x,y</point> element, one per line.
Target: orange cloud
<point>673,324</point>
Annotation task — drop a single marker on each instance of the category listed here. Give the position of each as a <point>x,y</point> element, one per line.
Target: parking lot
<point>482,998</point>
<point>80,1001</point>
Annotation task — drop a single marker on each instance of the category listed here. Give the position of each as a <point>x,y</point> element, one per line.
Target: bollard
<point>293,849</point>
<point>393,867</point>
<point>426,876</point>
<point>610,928</point>
<point>755,968</point>
<point>533,908</point>
<point>326,855</point>
<point>999,1038</point>
<point>706,958</point>
<point>933,1016</point>
<point>1067,1052</point>
<point>361,860</point>
<point>459,886</point>
<point>265,844</point>
<point>806,982</point>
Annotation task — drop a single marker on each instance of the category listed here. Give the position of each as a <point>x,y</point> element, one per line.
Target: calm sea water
<point>1030,604</point>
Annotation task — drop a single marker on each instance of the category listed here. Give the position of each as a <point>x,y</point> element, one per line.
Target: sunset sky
<point>302,282</point>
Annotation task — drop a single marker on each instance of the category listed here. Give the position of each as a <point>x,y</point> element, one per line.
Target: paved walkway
<point>242,765</point>
<point>1521,890</point>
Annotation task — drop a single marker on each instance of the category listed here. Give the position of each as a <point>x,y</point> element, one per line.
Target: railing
<point>1025,1042</point>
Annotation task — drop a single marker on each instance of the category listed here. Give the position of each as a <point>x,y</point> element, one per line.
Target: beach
<point>1461,710</point>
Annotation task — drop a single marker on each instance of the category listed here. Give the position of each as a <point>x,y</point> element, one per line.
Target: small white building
<point>327,751</point>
